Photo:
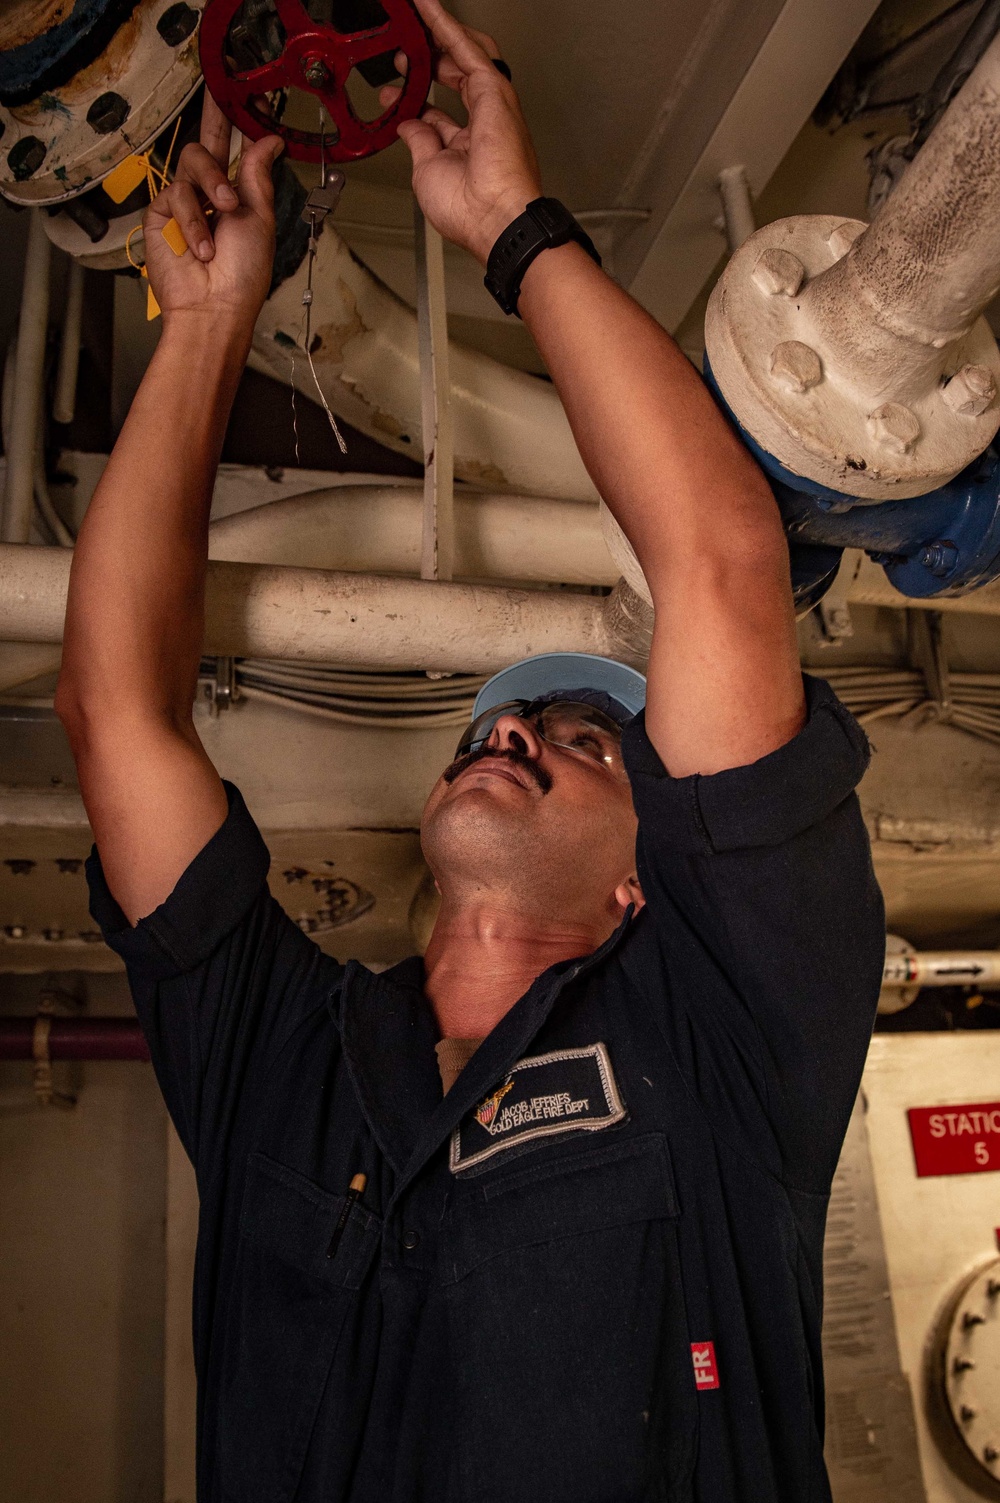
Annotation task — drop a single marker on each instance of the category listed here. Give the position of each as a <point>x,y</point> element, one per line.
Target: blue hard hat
<point>618,690</point>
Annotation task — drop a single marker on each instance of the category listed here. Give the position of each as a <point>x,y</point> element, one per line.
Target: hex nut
<point>108,112</point>
<point>795,365</point>
<point>25,157</point>
<point>894,426</point>
<point>177,23</point>
<point>842,237</point>
<point>970,390</point>
<point>778,271</point>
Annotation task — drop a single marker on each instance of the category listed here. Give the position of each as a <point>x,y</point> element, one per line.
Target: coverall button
<point>411,1239</point>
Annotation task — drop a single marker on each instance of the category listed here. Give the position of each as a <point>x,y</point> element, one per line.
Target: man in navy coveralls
<point>591,1134</point>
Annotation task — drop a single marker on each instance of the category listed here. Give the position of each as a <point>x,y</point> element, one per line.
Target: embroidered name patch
<point>569,1090</point>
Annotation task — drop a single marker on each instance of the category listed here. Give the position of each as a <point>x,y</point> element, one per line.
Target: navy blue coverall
<point>591,1273</point>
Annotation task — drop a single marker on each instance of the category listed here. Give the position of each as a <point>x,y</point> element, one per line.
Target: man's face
<point>533,820</point>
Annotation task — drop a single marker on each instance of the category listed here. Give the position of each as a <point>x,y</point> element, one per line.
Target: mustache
<point>499,753</point>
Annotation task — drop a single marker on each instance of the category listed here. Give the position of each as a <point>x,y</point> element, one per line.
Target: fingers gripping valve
<point>257,54</point>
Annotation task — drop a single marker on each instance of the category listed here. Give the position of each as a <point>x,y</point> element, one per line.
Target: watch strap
<point>545,223</point>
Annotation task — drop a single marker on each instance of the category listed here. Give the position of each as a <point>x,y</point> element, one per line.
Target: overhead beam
<point>801,53</point>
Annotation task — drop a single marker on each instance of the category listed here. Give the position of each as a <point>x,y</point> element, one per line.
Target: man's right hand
<point>227,272</point>
<point>471,180</point>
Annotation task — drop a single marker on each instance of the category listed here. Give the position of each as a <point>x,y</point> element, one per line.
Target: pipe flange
<point>69,136</point>
<point>823,394</point>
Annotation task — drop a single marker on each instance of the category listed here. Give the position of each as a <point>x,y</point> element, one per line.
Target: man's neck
<point>482,958</point>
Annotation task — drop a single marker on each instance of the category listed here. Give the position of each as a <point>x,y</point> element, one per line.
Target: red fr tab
<point>956,1139</point>
<point>706,1373</point>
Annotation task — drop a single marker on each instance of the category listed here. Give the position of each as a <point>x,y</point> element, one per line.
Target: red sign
<point>706,1374</point>
<point>956,1139</point>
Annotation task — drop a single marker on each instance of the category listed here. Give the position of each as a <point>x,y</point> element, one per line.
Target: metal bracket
<point>45,1092</point>
<point>217,684</point>
<point>437,550</point>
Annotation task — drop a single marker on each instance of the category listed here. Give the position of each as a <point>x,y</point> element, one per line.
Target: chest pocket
<point>288,1311</point>
<point>563,1280</point>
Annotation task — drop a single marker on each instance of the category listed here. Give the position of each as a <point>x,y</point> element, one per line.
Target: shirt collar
<point>389,1034</point>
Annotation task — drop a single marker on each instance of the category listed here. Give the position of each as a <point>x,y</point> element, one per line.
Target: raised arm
<point>724,680</point>
<point>134,620</point>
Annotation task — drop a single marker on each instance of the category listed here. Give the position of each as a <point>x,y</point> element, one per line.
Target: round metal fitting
<point>969,1368</point>
<point>970,390</point>
<point>894,426</point>
<point>117,83</point>
<point>779,288</point>
<point>778,272</point>
<point>795,365</point>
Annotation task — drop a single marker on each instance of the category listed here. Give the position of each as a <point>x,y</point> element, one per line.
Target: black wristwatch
<point>544,223</point>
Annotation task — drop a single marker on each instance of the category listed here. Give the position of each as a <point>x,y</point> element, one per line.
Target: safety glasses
<point>577,727</point>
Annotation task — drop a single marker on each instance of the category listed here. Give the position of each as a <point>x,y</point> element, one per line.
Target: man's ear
<point>628,892</point>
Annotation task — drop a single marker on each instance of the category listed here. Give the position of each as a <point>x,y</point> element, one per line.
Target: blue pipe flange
<point>945,543</point>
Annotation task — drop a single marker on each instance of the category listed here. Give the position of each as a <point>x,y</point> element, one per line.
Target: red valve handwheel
<point>317,58</point>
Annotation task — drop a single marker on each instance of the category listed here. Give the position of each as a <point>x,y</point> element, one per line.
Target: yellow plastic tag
<point>174,236</point>
<point>152,306</point>
<point>125,179</point>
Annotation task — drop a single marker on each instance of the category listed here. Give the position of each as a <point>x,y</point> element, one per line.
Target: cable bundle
<point>973,701</point>
<point>394,701</point>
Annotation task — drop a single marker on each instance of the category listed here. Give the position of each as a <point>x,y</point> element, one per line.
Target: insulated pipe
<point>856,357</point>
<point>75,1038</point>
<point>29,368</point>
<point>510,430</point>
<point>354,619</point>
<point>916,968</point>
<point>377,530</point>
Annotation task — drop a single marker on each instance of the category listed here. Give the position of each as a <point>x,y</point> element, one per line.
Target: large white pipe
<point>29,369</point>
<point>858,355</point>
<point>358,620</point>
<point>510,430</point>
<point>377,530</point>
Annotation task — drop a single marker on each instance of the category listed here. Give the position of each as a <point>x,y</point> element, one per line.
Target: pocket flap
<point>567,1194</point>
<point>294,1219</point>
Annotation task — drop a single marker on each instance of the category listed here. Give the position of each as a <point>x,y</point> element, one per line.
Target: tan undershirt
<point>452,1056</point>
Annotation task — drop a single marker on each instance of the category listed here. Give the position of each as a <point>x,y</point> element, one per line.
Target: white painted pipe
<point>916,968</point>
<point>737,206</point>
<point>29,369</point>
<point>358,620</point>
<point>64,405</point>
<point>858,356</point>
<point>510,430</point>
<point>377,530</point>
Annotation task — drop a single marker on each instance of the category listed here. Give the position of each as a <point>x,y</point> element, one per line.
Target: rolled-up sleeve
<point>220,976</point>
<point>769,932</point>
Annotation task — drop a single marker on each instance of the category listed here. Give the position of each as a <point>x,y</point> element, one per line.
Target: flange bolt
<point>315,72</point>
<point>843,236</point>
<point>940,559</point>
<point>795,365</point>
<point>990,1453</point>
<point>778,271</point>
<point>962,1365</point>
<point>967,1413</point>
<point>970,1318</point>
<point>970,390</point>
<point>894,426</point>
<point>177,23</point>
